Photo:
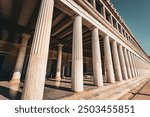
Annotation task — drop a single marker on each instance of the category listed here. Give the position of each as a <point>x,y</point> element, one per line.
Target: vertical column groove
<point>97,67</point>
<point>108,58</point>
<point>127,63</point>
<point>77,56</point>
<point>117,68</point>
<point>122,61</point>
<point>36,71</point>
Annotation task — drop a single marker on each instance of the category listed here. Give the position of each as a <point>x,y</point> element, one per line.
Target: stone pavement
<point>144,93</point>
<point>55,90</point>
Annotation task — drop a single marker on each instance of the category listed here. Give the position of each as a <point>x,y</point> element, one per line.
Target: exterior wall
<point>66,62</point>
<point>10,52</point>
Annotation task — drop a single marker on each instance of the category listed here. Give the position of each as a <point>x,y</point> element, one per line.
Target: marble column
<point>14,83</point>
<point>108,0</point>
<point>140,66</point>
<point>77,56</point>
<point>117,68</point>
<point>63,71</point>
<point>131,64</point>
<point>136,65</point>
<point>36,71</point>
<point>20,58</point>
<point>134,56</point>
<point>122,62</point>
<point>127,63</point>
<point>97,66</point>
<point>108,59</point>
<point>133,61</point>
<point>58,69</point>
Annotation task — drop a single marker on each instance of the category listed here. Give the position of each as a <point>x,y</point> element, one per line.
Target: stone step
<point>133,92</point>
<point>111,91</point>
<point>118,90</point>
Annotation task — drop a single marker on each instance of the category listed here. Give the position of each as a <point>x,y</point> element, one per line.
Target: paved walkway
<point>53,89</point>
<point>143,93</point>
<point>58,90</point>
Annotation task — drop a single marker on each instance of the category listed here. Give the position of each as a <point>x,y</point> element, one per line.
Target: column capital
<point>114,41</point>
<point>26,36</point>
<point>120,45</point>
<point>60,45</point>
<point>75,15</point>
<point>104,36</point>
<point>93,28</point>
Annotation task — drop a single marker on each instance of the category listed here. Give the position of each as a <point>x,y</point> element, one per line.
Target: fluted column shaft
<point>133,61</point>
<point>108,60</point>
<point>20,58</point>
<point>138,63</point>
<point>131,64</point>
<point>127,63</point>
<point>140,67</point>
<point>58,69</point>
<point>122,62</point>
<point>77,56</point>
<point>135,65</point>
<point>117,68</point>
<point>97,66</point>
<point>36,71</point>
<point>137,69</point>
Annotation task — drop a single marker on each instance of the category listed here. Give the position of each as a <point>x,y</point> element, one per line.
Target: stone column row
<point>120,63</point>
<point>125,63</point>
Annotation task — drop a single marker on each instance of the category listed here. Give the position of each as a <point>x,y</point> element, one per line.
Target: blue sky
<point>136,14</point>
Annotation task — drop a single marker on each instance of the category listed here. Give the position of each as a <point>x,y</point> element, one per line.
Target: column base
<point>98,84</point>
<point>77,90</point>
<point>14,84</point>
<point>57,78</point>
<point>120,80</point>
<point>63,77</point>
<point>14,81</point>
<point>16,77</point>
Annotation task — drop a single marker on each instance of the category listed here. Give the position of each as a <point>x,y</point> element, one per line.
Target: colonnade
<point>121,64</point>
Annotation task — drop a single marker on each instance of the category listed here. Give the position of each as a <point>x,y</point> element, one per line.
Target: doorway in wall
<point>2,58</point>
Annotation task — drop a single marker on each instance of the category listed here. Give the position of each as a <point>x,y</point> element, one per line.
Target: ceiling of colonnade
<point>19,16</point>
